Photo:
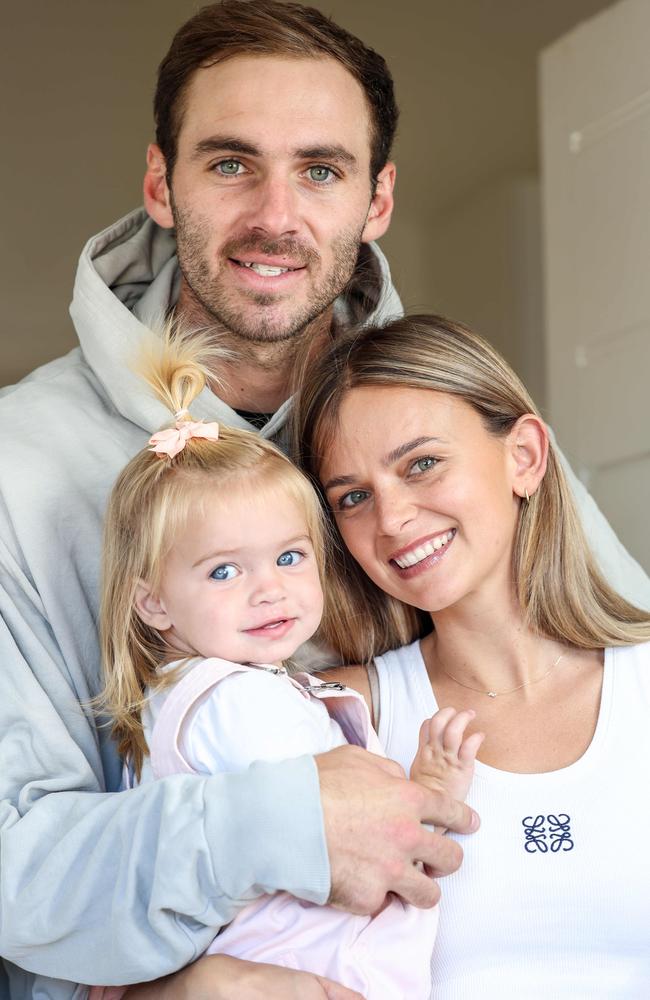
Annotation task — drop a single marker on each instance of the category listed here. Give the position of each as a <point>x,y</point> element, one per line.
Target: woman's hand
<point>220,977</point>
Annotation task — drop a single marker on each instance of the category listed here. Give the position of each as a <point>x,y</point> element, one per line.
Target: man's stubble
<point>208,302</point>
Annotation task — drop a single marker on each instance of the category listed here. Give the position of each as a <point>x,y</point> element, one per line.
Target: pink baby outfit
<point>386,957</point>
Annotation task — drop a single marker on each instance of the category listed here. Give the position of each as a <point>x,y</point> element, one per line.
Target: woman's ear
<point>157,198</point>
<point>528,445</point>
<point>150,608</point>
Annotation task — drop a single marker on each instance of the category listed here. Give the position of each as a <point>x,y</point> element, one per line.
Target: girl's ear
<point>528,446</point>
<point>150,608</point>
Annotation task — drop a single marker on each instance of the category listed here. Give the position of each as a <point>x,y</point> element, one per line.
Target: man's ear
<point>150,608</point>
<point>528,447</point>
<point>157,198</point>
<point>381,206</point>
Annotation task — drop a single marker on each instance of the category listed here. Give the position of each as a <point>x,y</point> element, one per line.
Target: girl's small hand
<point>220,977</point>
<point>445,758</point>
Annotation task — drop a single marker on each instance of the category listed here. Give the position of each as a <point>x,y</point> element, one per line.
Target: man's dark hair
<point>269,27</point>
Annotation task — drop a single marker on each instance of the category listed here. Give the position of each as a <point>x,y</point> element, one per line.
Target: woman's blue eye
<point>224,572</point>
<point>424,464</point>
<point>352,499</point>
<point>229,168</point>
<point>320,174</point>
<point>291,558</point>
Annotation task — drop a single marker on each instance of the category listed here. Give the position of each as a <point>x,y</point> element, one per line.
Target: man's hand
<point>375,837</point>
<point>220,977</point>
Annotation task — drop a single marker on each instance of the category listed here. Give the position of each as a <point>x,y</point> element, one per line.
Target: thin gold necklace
<point>494,694</point>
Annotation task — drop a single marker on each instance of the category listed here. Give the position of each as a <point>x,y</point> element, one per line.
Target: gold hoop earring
<point>527,497</point>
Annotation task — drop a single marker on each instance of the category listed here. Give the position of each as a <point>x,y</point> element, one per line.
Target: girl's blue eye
<point>320,174</point>
<point>229,168</point>
<point>224,572</point>
<point>352,499</point>
<point>291,558</point>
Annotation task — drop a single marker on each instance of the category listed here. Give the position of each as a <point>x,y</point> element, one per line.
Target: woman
<point>471,567</point>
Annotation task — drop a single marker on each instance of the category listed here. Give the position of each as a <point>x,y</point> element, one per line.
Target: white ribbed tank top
<point>553,898</point>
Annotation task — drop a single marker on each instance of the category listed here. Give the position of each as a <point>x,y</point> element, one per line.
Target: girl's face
<point>423,495</point>
<point>241,581</point>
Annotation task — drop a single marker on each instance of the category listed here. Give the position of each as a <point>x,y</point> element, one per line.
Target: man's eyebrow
<point>224,144</point>
<point>338,153</point>
<point>392,456</point>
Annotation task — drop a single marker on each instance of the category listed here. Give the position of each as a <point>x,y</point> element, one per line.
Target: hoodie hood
<point>127,279</point>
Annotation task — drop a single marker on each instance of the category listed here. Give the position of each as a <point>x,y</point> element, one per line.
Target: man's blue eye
<point>291,558</point>
<point>229,168</point>
<point>320,174</point>
<point>224,572</point>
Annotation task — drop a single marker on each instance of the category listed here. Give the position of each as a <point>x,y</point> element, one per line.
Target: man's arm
<point>619,569</point>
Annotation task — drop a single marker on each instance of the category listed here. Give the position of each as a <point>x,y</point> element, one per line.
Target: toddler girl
<point>213,561</point>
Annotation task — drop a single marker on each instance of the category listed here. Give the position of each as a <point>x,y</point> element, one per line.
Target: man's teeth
<point>265,269</point>
<point>415,556</point>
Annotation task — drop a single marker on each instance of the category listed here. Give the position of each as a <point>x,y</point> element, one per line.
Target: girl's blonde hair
<point>558,584</point>
<point>150,504</point>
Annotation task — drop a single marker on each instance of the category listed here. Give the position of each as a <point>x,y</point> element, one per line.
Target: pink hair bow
<point>173,439</point>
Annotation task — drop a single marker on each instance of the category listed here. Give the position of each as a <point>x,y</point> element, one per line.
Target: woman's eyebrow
<point>339,481</point>
<point>404,449</point>
<point>392,456</point>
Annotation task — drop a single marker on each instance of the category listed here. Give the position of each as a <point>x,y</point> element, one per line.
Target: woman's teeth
<point>415,556</point>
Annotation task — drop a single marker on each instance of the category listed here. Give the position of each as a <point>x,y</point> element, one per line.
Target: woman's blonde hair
<point>150,504</point>
<point>558,584</point>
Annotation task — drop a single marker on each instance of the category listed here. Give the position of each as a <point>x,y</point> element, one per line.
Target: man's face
<point>271,192</point>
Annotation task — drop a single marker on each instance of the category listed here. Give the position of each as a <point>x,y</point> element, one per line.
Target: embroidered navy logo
<point>547,833</point>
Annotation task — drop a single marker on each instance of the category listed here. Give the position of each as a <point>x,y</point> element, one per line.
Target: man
<point>274,129</point>
<point>271,162</point>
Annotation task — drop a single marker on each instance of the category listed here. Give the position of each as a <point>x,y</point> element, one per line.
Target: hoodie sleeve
<point>120,887</point>
<point>621,571</point>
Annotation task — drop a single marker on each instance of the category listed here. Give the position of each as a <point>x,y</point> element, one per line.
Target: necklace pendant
<point>491,694</point>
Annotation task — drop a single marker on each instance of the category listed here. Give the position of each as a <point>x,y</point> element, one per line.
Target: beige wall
<point>80,75</point>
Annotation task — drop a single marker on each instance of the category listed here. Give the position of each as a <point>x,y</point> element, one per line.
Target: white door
<point>595,93</point>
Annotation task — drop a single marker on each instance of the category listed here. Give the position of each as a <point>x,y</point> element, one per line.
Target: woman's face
<point>423,496</point>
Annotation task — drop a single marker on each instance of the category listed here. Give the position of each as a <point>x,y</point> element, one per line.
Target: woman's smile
<point>417,556</point>
<point>422,494</point>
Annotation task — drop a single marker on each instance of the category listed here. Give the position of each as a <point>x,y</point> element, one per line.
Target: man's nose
<point>274,209</point>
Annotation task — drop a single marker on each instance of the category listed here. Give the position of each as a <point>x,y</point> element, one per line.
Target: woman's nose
<point>394,509</point>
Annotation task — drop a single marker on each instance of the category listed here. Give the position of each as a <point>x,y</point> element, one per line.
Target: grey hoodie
<point>95,886</point>
<point>99,887</point>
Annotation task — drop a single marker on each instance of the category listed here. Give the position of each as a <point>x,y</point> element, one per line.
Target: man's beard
<point>215,304</point>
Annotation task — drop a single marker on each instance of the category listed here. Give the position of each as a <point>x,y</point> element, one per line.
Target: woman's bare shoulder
<point>354,677</point>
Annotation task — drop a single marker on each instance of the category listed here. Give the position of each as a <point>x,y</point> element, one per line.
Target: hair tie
<point>168,443</point>
<point>181,413</point>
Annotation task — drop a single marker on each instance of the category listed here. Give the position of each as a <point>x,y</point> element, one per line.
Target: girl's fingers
<point>469,749</point>
<point>437,724</point>
<point>454,731</point>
